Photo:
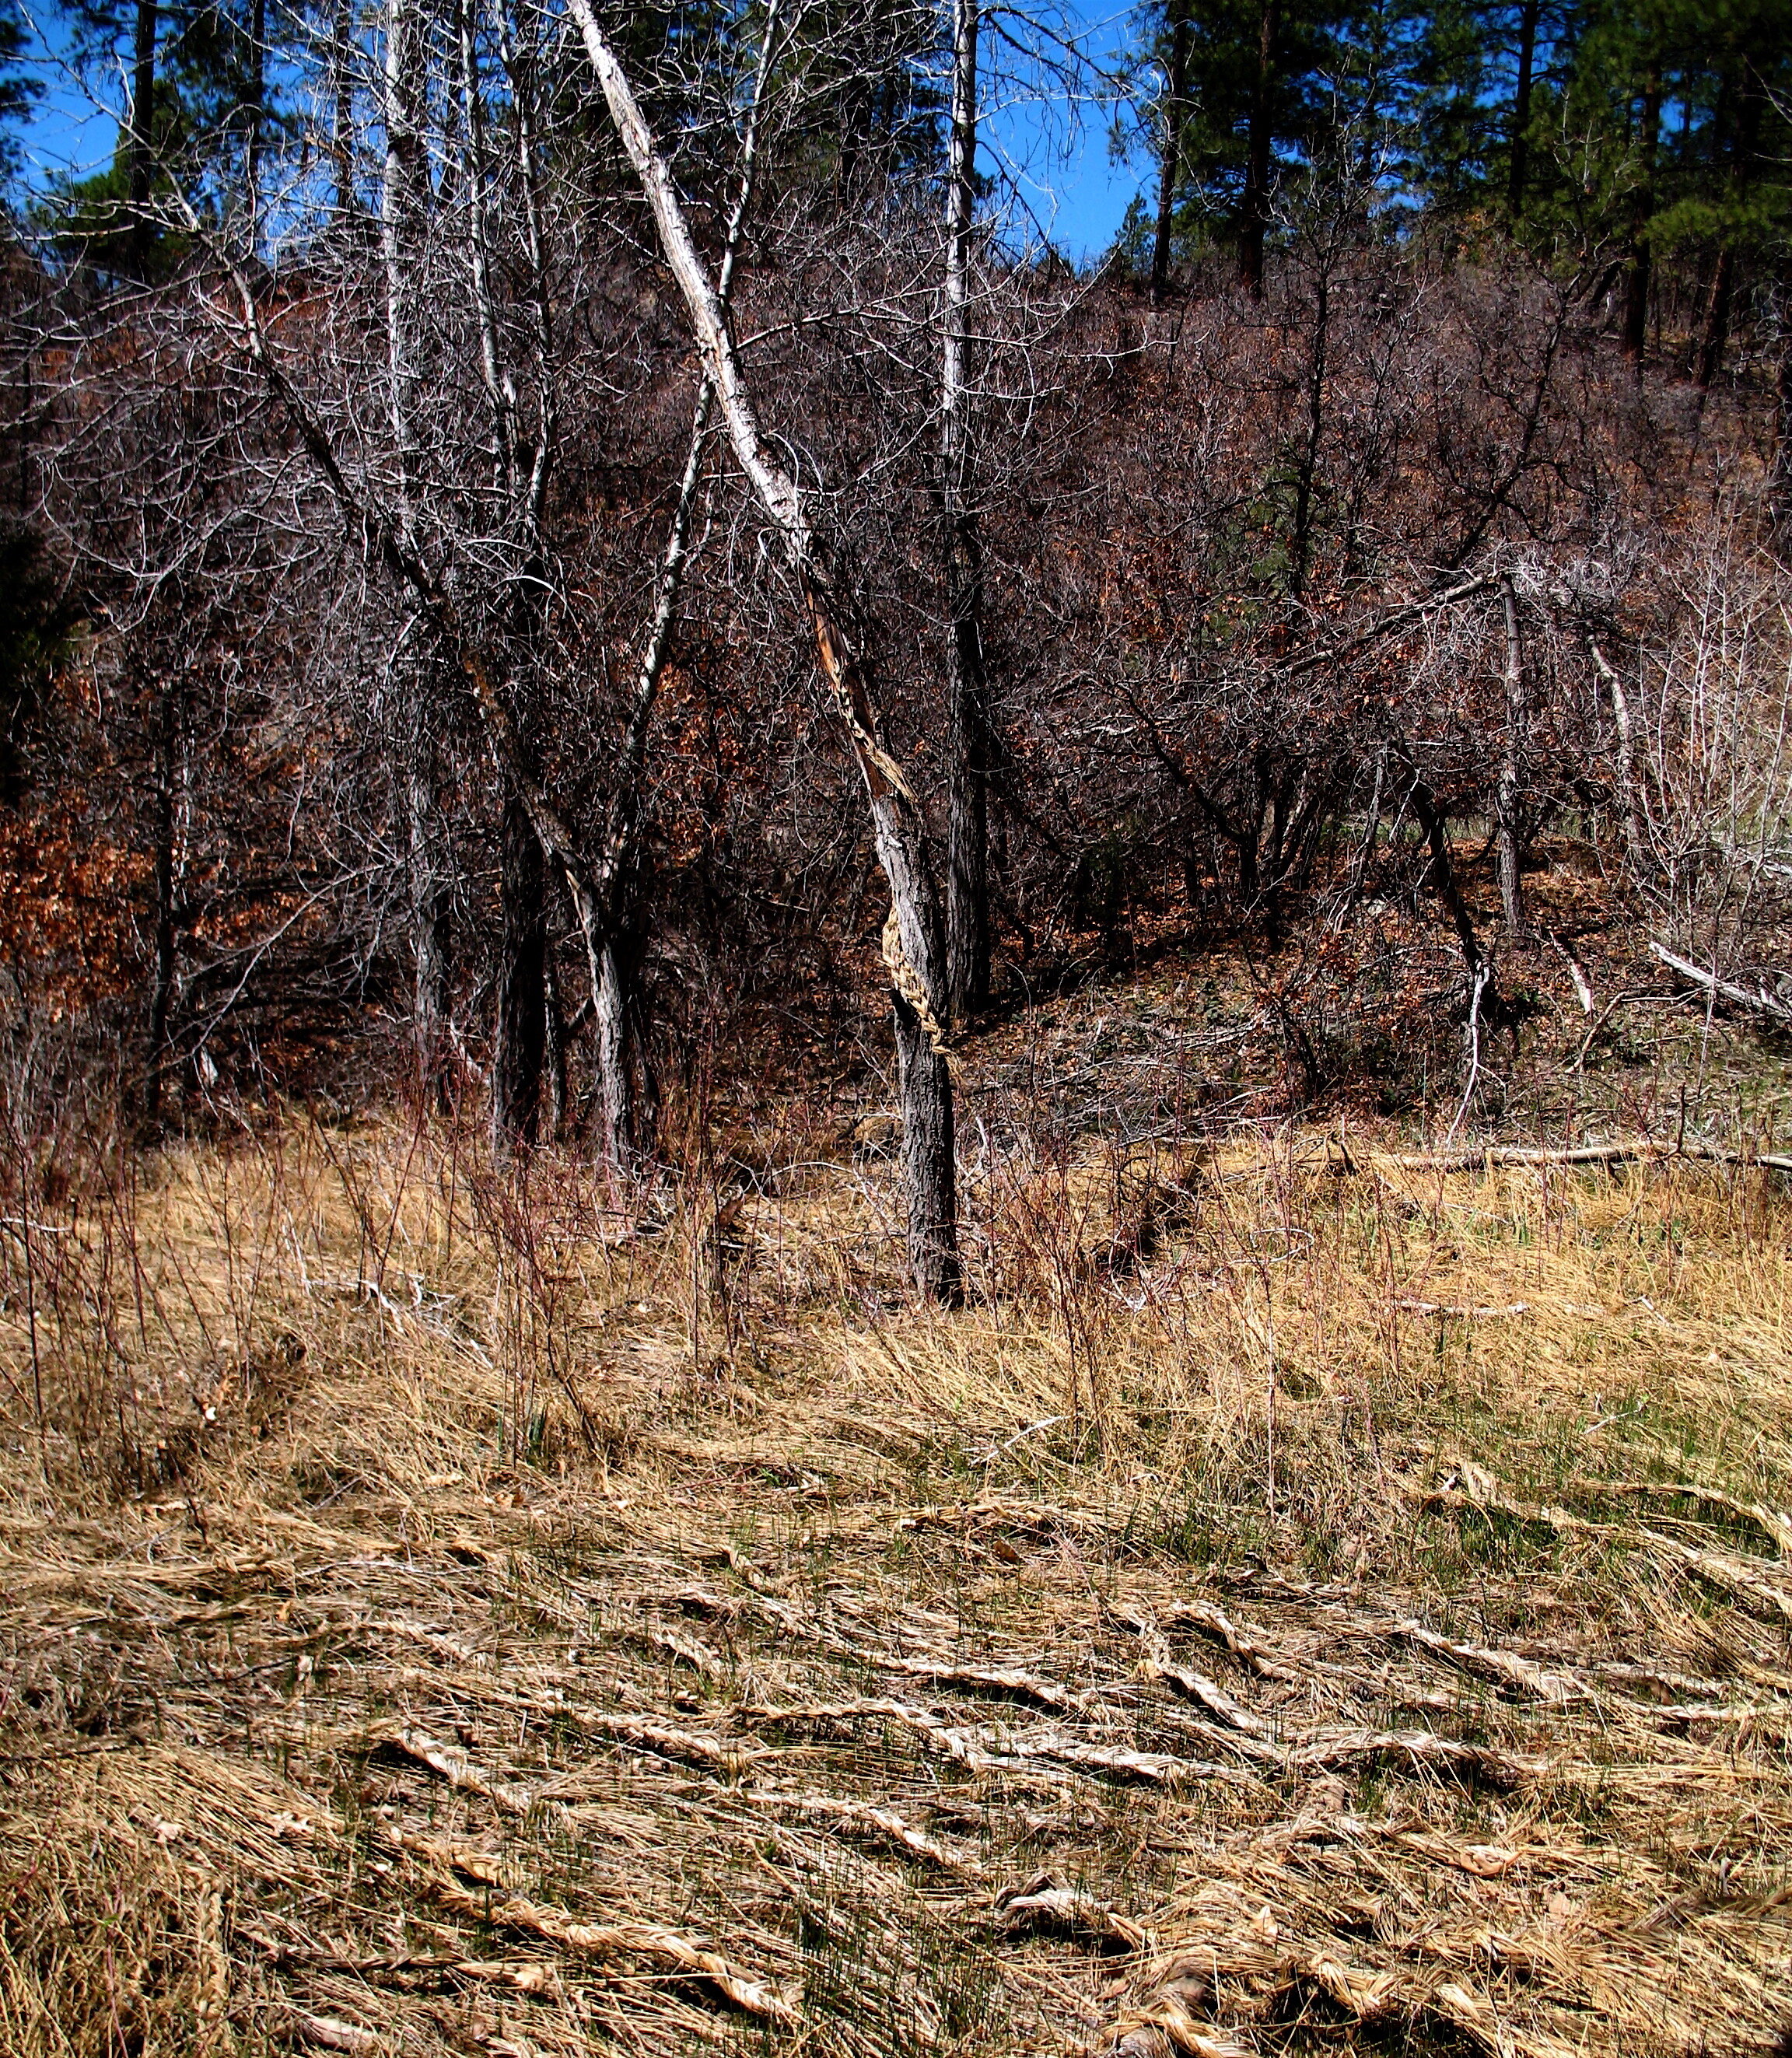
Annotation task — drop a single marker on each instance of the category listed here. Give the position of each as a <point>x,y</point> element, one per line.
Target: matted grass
<point>1297,1604</point>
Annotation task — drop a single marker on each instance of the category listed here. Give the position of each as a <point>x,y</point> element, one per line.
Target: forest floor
<point>1303,1601</point>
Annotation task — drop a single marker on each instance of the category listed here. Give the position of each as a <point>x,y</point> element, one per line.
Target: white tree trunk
<point>921,1002</point>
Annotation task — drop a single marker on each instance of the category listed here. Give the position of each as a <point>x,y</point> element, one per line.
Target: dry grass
<point>1293,1607</point>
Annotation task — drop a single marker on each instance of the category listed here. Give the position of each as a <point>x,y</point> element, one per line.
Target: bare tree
<point>1508,828</point>
<point>913,940</point>
<point>967,799</point>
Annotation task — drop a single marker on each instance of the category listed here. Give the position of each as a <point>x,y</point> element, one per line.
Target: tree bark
<point>1518,164</point>
<point>1779,486</point>
<point>1627,807</point>
<point>520,1045</point>
<point>140,156</point>
<point>1716,321</point>
<point>1307,473</point>
<point>1170,163</point>
<point>402,203</point>
<point>476,172</point>
<point>163,960</point>
<point>431,916</point>
<point>968,826</point>
<point>257,111</point>
<point>553,1024</point>
<point>1510,842</point>
<point>619,1132</point>
<point>1639,268</point>
<point>403,195</point>
<point>1254,211</point>
<point>341,108</point>
<point>915,949</point>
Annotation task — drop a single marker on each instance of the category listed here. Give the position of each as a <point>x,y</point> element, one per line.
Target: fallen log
<point>1642,1150</point>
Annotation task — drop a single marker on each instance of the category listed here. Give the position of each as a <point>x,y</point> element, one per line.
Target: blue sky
<point>1053,148</point>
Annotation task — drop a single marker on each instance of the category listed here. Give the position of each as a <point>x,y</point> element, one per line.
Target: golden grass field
<point>1300,1604</point>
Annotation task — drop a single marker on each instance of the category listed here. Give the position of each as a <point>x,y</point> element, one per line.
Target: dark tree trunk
<point>141,155</point>
<point>554,1025</point>
<point>431,917</point>
<point>163,967</point>
<point>1170,163</point>
<point>1254,211</point>
<point>256,111</point>
<point>1638,270</point>
<point>520,1045</point>
<point>1519,165</point>
<point>1308,472</point>
<point>342,112</point>
<point>1716,321</point>
<point>1718,307</point>
<point>1250,878</point>
<point>1443,877</point>
<point>968,827</point>
<point>1779,490</point>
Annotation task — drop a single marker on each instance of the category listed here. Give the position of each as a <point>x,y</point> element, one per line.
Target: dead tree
<point>404,207</point>
<point>1509,830</point>
<point>913,937</point>
<point>967,799</point>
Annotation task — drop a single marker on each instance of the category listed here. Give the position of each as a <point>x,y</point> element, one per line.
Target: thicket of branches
<point>529,533</point>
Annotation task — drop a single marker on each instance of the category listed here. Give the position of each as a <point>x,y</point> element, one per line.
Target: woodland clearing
<point>1301,1602</point>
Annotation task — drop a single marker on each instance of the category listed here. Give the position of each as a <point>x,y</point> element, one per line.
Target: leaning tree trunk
<point>913,943</point>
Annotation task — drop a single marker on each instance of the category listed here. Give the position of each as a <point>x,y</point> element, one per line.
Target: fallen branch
<point>1643,1149</point>
<point>1760,1003</point>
